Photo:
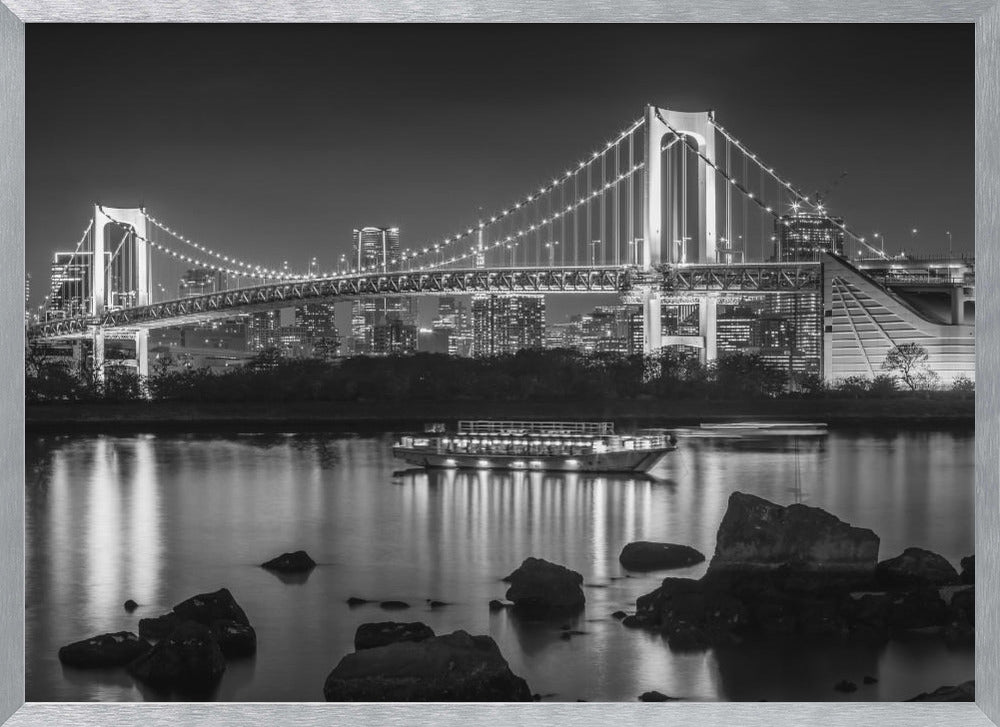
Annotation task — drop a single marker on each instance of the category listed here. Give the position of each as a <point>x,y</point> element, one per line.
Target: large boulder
<point>959,625</point>
<point>964,692</point>
<point>235,640</point>
<point>297,562</point>
<point>643,555</point>
<point>158,627</point>
<point>104,651</point>
<point>968,574</point>
<point>758,535</point>
<point>454,667</point>
<point>189,661</point>
<point>916,567</point>
<point>373,635</point>
<point>539,584</point>
<point>207,608</point>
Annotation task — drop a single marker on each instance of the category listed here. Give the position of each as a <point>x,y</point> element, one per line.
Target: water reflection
<point>160,518</point>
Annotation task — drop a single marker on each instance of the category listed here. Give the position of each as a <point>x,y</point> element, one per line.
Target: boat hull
<point>631,461</point>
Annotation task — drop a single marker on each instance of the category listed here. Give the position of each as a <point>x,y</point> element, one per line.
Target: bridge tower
<point>100,283</point>
<point>698,126</point>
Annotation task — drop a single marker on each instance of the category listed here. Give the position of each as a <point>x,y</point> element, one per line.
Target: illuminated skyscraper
<point>319,321</point>
<point>802,236</point>
<point>507,323</point>
<point>199,281</point>
<point>375,249</point>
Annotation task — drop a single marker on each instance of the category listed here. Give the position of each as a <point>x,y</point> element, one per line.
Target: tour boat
<point>536,445</point>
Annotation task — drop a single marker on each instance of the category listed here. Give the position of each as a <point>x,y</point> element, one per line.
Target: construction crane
<point>820,196</point>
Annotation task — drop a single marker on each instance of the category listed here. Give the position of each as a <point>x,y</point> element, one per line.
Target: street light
<point>682,246</point>
<point>593,244</point>
<point>881,238</point>
<point>551,246</point>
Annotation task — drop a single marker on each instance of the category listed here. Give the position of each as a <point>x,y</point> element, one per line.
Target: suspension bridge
<point>673,204</point>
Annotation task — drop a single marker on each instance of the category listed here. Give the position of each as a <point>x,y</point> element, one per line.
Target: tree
<point>909,362</point>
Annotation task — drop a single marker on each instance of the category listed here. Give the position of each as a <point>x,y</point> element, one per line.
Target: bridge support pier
<point>708,313</point>
<point>652,314</point>
<point>957,306</point>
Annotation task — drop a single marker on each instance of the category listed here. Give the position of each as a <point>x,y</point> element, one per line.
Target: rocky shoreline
<point>778,573</point>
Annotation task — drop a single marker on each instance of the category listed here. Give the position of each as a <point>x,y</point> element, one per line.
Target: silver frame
<point>984,13</point>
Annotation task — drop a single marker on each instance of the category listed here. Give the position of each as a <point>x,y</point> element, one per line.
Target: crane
<point>833,185</point>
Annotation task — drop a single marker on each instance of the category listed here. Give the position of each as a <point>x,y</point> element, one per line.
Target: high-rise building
<point>614,329</point>
<point>70,291</point>
<point>319,321</point>
<point>377,248</point>
<point>784,329</point>
<point>802,236</point>
<point>451,327</point>
<point>507,323</point>
<point>199,281</point>
<point>394,337</point>
<point>262,330</point>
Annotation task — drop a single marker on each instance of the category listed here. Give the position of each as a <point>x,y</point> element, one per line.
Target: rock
<point>968,574</point>
<point>540,585</point>
<point>436,604</point>
<point>916,567</point>
<point>355,601</point>
<point>643,556</point>
<point>235,640</point>
<point>845,686</point>
<point>619,615</point>
<point>373,635</point>
<point>297,562</point>
<point>686,637</point>
<point>159,627</point>
<point>964,692</point>
<point>757,535</point>
<point>919,609</point>
<point>655,697</point>
<point>496,605</point>
<point>448,668</point>
<point>394,605</point>
<point>104,651</point>
<point>959,626</point>
<point>189,661</point>
<point>130,605</point>
<point>632,622</point>
<point>207,608</point>
<point>870,680</point>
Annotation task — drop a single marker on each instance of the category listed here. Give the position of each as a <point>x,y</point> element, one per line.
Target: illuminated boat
<point>536,445</point>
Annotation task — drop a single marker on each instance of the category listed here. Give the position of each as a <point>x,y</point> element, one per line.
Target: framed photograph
<point>413,364</point>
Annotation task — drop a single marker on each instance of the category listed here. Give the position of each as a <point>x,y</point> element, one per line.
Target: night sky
<point>274,142</point>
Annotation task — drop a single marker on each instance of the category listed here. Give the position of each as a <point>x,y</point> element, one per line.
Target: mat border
<point>14,13</point>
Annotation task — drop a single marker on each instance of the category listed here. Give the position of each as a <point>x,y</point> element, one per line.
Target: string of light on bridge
<point>499,216</point>
<point>515,238</point>
<point>750,195</point>
<point>251,270</point>
<point>817,207</point>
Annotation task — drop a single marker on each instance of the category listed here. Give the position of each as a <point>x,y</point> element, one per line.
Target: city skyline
<point>263,166</point>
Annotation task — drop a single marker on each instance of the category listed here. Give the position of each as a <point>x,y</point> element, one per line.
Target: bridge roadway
<point>756,277</point>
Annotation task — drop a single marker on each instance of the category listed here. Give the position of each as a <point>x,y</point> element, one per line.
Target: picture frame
<point>14,14</point>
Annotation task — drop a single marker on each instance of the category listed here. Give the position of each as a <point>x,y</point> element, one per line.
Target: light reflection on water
<point>159,518</point>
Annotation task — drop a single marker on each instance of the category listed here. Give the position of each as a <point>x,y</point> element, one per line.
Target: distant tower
<point>507,323</point>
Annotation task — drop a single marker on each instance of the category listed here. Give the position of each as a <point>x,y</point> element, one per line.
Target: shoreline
<point>325,415</point>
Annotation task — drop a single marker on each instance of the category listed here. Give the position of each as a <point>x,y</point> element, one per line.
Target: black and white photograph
<point>499,363</point>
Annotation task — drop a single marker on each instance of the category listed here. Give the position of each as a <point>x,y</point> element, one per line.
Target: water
<point>160,518</point>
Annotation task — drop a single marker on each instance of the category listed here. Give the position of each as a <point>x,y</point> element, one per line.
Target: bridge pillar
<point>652,314</point>
<point>141,278</point>
<point>142,352</point>
<point>697,125</point>
<point>708,311</point>
<point>957,306</point>
<point>98,355</point>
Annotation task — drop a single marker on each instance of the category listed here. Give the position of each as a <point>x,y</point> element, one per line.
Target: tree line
<point>523,376</point>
